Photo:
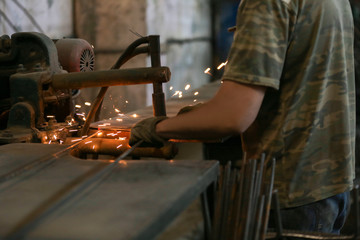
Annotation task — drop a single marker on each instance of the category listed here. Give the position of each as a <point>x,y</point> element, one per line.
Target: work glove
<point>145,130</point>
<point>189,108</point>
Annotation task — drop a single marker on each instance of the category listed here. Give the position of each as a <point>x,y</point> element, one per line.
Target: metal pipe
<point>158,96</point>
<point>78,80</point>
<point>114,147</point>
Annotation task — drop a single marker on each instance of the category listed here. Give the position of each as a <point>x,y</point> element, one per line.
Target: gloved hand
<point>189,108</point>
<point>145,130</point>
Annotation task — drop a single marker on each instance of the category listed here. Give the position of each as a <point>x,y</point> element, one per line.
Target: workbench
<point>137,199</point>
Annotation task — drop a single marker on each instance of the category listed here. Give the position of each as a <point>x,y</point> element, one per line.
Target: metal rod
<point>218,203</point>
<point>29,166</point>
<point>90,177</point>
<point>250,199</point>
<point>258,223</point>
<point>206,215</point>
<point>93,110</point>
<point>357,211</point>
<point>278,223</point>
<point>225,198</point>
<point>158,96</point>
<point>132,76</point>
<point>114,147</point>
<point>239,202</point>
<point>268,196</point>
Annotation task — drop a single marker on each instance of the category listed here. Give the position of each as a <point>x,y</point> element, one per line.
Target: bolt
<point>21,68</point>
<point>38,67</point>
<point>7,133</point>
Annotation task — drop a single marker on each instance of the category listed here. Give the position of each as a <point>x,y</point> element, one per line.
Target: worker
<point>288,88</point>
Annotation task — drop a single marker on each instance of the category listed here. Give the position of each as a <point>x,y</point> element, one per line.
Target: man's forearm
<point>230,112</point>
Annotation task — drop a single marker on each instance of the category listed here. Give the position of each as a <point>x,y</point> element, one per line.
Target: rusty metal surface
<point>136,201</point>
<point>113,77</point>
<point>114,147</point>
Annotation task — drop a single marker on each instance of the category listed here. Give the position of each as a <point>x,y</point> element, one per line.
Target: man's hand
<point>145,130</point>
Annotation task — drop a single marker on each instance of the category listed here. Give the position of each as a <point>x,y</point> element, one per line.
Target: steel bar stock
<point>242,199</point>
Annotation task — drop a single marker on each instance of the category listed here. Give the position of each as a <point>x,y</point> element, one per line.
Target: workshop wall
<point>54,18</point>
<point>185,32</point>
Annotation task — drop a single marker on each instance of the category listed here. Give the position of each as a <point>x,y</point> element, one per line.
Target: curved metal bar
<point>130,52</point>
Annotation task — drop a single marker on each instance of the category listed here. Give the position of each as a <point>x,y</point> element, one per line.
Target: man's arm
<point>231,111</point>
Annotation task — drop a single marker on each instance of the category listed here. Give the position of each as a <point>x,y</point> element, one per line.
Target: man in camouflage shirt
<point>289,90</point>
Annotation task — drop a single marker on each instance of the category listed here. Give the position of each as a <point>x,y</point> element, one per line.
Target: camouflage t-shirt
<point>302,50</point>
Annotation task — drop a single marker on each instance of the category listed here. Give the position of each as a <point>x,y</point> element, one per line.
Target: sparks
<point>119,120</point>
<point>222,65</point>
<point>196,93</point>
<point>195,100</point>
<point>171,88</point>
<point>76,140</point>
<point>117,110</point>
<point>134,115</point>
<point>100,133</point>
<point>119,146</point>
<point>123,162</point>
<point>187,87</point>
<point>87,104</point>
<point>77,106</point>
<point>179,93</point>
<point>122,138</point>
<point>93,147</point>
<point>207,71</point>
<point>126,101</point>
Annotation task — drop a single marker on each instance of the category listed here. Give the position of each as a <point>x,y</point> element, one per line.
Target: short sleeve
<point>258,52</point>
